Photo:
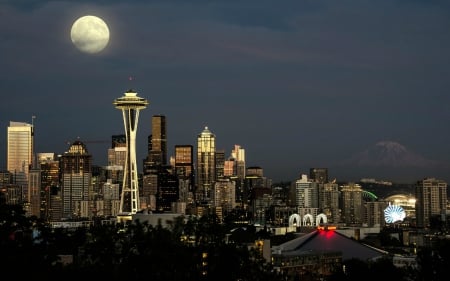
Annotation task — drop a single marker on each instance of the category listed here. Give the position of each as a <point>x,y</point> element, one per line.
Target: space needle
<point>130,104</point>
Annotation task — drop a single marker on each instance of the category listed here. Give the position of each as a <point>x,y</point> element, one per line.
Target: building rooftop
<point>328,240</point>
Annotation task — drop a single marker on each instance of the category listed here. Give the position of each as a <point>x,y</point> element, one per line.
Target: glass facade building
<point>206,149</point>
<point>20,153</point>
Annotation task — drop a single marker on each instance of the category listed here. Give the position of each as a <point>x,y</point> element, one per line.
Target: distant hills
<point>391,161</point>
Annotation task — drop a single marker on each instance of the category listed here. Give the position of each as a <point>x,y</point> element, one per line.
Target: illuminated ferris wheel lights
<point>394,213</point>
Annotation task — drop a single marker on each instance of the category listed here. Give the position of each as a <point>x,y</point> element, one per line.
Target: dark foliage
<point>135,251</point>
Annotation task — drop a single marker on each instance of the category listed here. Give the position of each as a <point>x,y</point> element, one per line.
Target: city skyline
<point>356,87</point>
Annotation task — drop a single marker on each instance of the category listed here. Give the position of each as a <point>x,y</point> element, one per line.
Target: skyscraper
<point>352,203</point>
<point>184,170</point>
<point>50,185</point>
<point>76,174</point>
<point>238,154</point>
<point>117,156</point>
<point>307,197</point>
<point>329,201</point>
<point>157,153</point>
<point>431,201</point>
<point>220,164</point>
<point>20,153</point>
<point>184,160</point>
<point>206,149</point>
<point>130,105</point>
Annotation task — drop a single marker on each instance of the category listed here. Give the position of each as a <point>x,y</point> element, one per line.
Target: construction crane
<point>89,141</point>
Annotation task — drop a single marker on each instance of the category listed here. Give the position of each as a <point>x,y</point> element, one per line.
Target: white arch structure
<point>308,220</point>
<point>294,220</point>
<point>321,218</point>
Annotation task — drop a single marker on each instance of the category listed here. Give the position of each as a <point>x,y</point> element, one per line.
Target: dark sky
<point>298,84</point>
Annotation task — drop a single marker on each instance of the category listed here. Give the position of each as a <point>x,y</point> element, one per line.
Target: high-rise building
<point>130,105</point>
<point>431,201</point>
<point>20,154</point>
<point>374,213</point>
<point>329,201</point>
<point>184,160</point>
<point>32,205</point>
<point>206,167</point>
<point>220,163</point>
<point>157,148</point>
<point>306,193</point>
<point>229,168</point>
<point>111,194</point>
<point>307,197</point>
<point>167,191</point>
<point>254,178</point>
<point>117,155</point>
<point>50,185</point>
<point>352,204</point>
<point>238,154</point>
<point>183,164</point>
<point>224,194</point>
<point>76,175</point>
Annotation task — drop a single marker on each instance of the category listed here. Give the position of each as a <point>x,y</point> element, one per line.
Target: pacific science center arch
<point>307,220</point>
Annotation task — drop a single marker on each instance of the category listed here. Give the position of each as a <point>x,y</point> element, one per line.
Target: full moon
<point>90,34</point>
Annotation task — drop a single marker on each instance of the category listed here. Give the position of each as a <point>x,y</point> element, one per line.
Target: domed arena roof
<point>402,200</point>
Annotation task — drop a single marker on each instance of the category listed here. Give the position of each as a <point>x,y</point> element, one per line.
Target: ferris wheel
<point>394,213</point>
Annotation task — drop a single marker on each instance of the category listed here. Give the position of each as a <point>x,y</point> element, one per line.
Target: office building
<point>184,169</point>
<point>50,185</point>
<point>20,154</point>
<point>431,201</point>
<point>167,189</point>
<point>157,142</point>
<point>184,160</point>
<point>206,167</point>
<point>238,154</point>
<point>32,205</point>
<point>117,155</point>
<point>220,163</point>
<point>224,195</point>
<point>76,187</point>
<point>254,178</point>
<point>130,105</point>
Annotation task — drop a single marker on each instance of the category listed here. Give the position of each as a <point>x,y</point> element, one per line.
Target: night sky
<point>359,87</point>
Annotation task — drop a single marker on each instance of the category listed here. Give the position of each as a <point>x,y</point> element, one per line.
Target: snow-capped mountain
<point>389,154</point>
<point>389,160</point>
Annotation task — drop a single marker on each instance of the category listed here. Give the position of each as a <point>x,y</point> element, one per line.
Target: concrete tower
<point>130,104</point>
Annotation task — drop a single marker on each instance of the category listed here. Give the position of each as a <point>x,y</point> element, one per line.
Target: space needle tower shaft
<point>130,104</point>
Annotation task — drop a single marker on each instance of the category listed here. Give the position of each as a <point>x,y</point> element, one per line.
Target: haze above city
<point>358,87</point>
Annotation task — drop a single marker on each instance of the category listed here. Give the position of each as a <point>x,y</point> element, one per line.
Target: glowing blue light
<point>394,213</point>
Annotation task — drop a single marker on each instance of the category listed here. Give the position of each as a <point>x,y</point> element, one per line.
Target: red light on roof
<point>326,227</point>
